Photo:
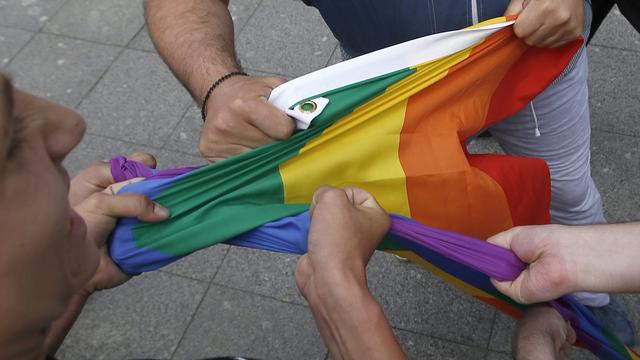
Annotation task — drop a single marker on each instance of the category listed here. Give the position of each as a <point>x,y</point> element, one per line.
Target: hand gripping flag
<point>394,122</point>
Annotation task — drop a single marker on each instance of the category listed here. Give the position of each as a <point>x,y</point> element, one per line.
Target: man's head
<point>44,253</point>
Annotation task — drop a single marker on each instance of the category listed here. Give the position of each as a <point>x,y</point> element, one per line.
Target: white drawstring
<point>535,119</point>
<point>474,11</point>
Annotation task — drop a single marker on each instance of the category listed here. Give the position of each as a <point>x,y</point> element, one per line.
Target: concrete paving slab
<point>201,265</point>
<point>413,299</point>
<point>171,159</point>
<point>28,14</point>
<point>145,318</point>
<point>11,41</point>
<point>484,145</point>
<point>232,322</point>
<point>614,93</point>
<point>186,135</point>
<point>107,21</point>
<point>142,41</point>
<point>138,100</point>
<point>336,56</point>
<point>617,32</point>
<point>615,163</point>
<point>260,272</point>
<point>418,346</point>
<point>94,148</point>
<point>502,332</point>
<point>60,69</point>
<point>285,37</point>
<point>241,11</point>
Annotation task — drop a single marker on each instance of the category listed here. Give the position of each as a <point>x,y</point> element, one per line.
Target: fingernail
<point>161,210</point>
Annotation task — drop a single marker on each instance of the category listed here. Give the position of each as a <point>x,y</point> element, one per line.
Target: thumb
<point>273,82</point>
<point>378,218</point>
<point>129,205</point>
<point>361,198</point>
<point>318,197</point>
<point>503,239</point>
<point>571,334</point>
<point>515,7</point>
<point>512,289</point>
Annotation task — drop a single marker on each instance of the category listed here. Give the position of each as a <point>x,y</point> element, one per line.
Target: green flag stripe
<point>230,197</point>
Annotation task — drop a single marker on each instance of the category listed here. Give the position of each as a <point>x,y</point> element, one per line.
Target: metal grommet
<point>308,107</point>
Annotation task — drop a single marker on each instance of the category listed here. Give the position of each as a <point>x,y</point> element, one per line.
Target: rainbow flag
<point>394,122</point>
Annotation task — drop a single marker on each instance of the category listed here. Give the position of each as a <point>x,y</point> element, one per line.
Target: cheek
<point>81,265</point>
<point>81,255</point>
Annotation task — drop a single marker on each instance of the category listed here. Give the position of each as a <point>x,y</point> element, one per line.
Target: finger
<point>361,197</point>
<point>113,189</point>
<point>571,334</point>
<point>144,158</point>
<point>273,82</point>
<point>215,152</point>
<point>320,191</point>
<point>235,127</point>
<point>514,8</point>
<point>511,289</point>
<point>330,197</point>
<point>540,37</point>
<point>527,23</point>
<point>233,132</point>
<point>242,133</point>
<point>130,205</point>
<point>559,39</point>
<point>97,174</point>
<point>270,120</point>
<point>552,41</point>
<point>504,238</point>
<point>324,192</point>
<point>363,200</point>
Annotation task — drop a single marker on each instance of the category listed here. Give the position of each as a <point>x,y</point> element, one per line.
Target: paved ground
<point>95,56</point>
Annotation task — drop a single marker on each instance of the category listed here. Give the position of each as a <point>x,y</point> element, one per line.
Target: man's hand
<point>92,194</point>
<point>547,23</point>
<point>346,227</point>
<point>551,272</point>
<point>239,118</point>
<point>97,177</point>
<point>542,334</point>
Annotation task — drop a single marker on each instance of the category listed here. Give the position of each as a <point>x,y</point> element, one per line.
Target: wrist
<point>585,258</point>
<point>215,86</point>
<point>210,76</point>
<point>333,286</point>
<point>340,301</point>
<point>534,348</point>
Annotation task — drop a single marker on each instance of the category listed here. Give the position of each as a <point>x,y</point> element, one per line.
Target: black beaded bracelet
<point>215,85</point>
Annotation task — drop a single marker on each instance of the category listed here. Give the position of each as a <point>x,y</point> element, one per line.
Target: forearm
<point>61,327</point>
<point>195,38</point>
<point>606,257</point>
<point>533,347</point>
<point>352,322</point>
